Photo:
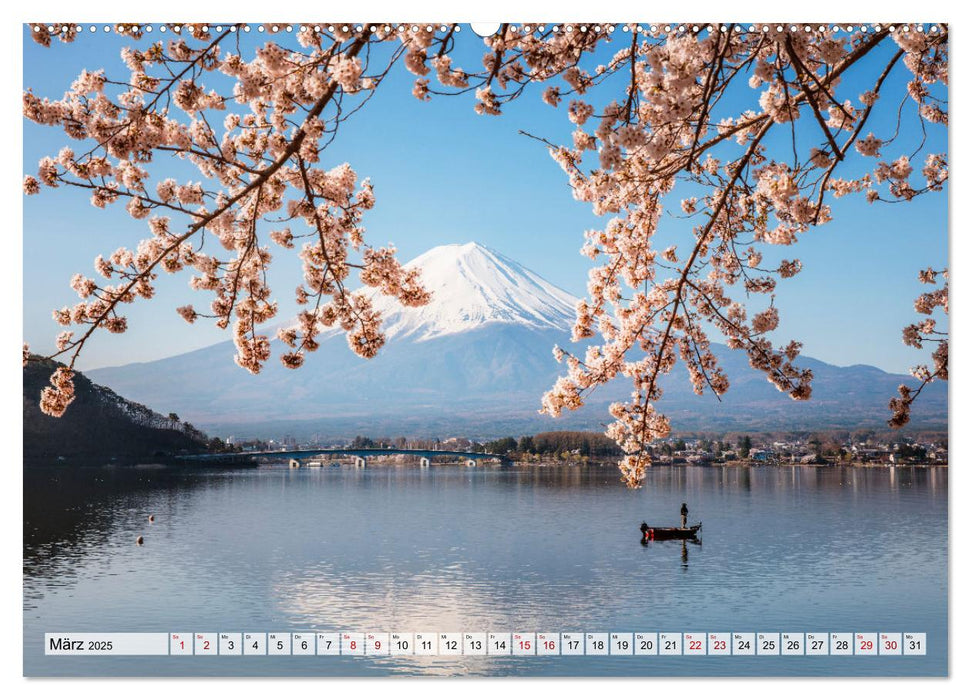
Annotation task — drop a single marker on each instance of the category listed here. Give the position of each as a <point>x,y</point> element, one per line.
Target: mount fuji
<point>476,360</point>
<point>473,286</point>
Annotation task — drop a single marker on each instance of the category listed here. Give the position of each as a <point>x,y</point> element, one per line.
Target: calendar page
<point>541,349</point>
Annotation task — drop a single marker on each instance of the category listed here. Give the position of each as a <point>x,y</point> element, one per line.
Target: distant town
<point>846,448</point>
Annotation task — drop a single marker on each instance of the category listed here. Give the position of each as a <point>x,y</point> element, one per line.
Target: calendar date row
<point>488,644</point>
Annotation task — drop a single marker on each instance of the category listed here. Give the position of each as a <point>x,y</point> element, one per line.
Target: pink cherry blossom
<point>657,114</point>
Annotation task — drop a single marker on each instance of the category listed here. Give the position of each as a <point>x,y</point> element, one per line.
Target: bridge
<point>297,458</point>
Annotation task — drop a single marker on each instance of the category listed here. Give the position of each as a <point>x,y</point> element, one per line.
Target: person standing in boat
<point>684,515</point>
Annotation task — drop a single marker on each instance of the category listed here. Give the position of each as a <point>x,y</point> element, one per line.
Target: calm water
<point>457,549</point>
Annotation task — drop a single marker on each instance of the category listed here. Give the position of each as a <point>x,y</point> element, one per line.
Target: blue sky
<point>444,174</point>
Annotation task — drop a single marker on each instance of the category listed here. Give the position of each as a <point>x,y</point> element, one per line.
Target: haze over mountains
<point>476,361</point>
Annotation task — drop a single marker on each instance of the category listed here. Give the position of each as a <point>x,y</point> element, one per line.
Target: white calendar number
<point>524,644</point>
<point>500,644</point>
<point>254,643</point>
<point>377,644</point>
<point>621,643</point>
<point>451,644</point>
<point>278,643</point>
<point>474,643</point>
<point>669,643</point>
<point>205,643</point>
<point>180,644</point>
<point>719,644</point>
<point>328,644</point>
<point>891,644</point>
<point>915,644</point>
<point>547,644</point>
<point>303,644</point>
<point>426,644</point>
<point>597,644</point>
<point>865,644</point>
<point>230,643</point>
<point>743,644</point>
<point>352,644</point>
<point>841,643</point>
<point>793,643</point>
<point>402,644</point>
<point>571,643</point>
<point>767,644</point>
<point>695,644</point>
<point>645,644</point>
<point>817,644</point>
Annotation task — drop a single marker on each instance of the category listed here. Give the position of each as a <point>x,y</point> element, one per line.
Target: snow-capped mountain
<point>471,286</point>
<point>484,339</point>
<point>476,360</point>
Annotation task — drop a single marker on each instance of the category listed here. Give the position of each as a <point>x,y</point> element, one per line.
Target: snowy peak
<point>473,285</point>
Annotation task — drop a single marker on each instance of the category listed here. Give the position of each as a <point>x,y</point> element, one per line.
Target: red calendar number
<point>866,645</point>
<point>695,645</point>
<point>524,644</point>
<point>890,644</point>
<point>720,645</point>
<point>353,645</point>
<point>549,645</point>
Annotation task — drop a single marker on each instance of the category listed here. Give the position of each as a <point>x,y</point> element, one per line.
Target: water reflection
<point>455,549</point>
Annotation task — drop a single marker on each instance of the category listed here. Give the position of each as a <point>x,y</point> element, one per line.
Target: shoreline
<point>743,465</point>
<point>543,463</point>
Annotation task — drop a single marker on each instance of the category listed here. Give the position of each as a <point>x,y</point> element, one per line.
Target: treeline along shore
<point>100,427</point>
<point>841,447</point>
<point>835,447</point>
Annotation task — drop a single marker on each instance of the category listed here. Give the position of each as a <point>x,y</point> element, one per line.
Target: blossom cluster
<point>661,113</point>
<point>916,335</point>
<point>648,308</point>
<point>257,147</point>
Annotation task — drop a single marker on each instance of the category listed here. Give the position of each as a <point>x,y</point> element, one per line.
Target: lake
<point>515,549</point>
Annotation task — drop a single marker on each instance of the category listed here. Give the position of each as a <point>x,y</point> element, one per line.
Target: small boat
<point>649,533</point>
